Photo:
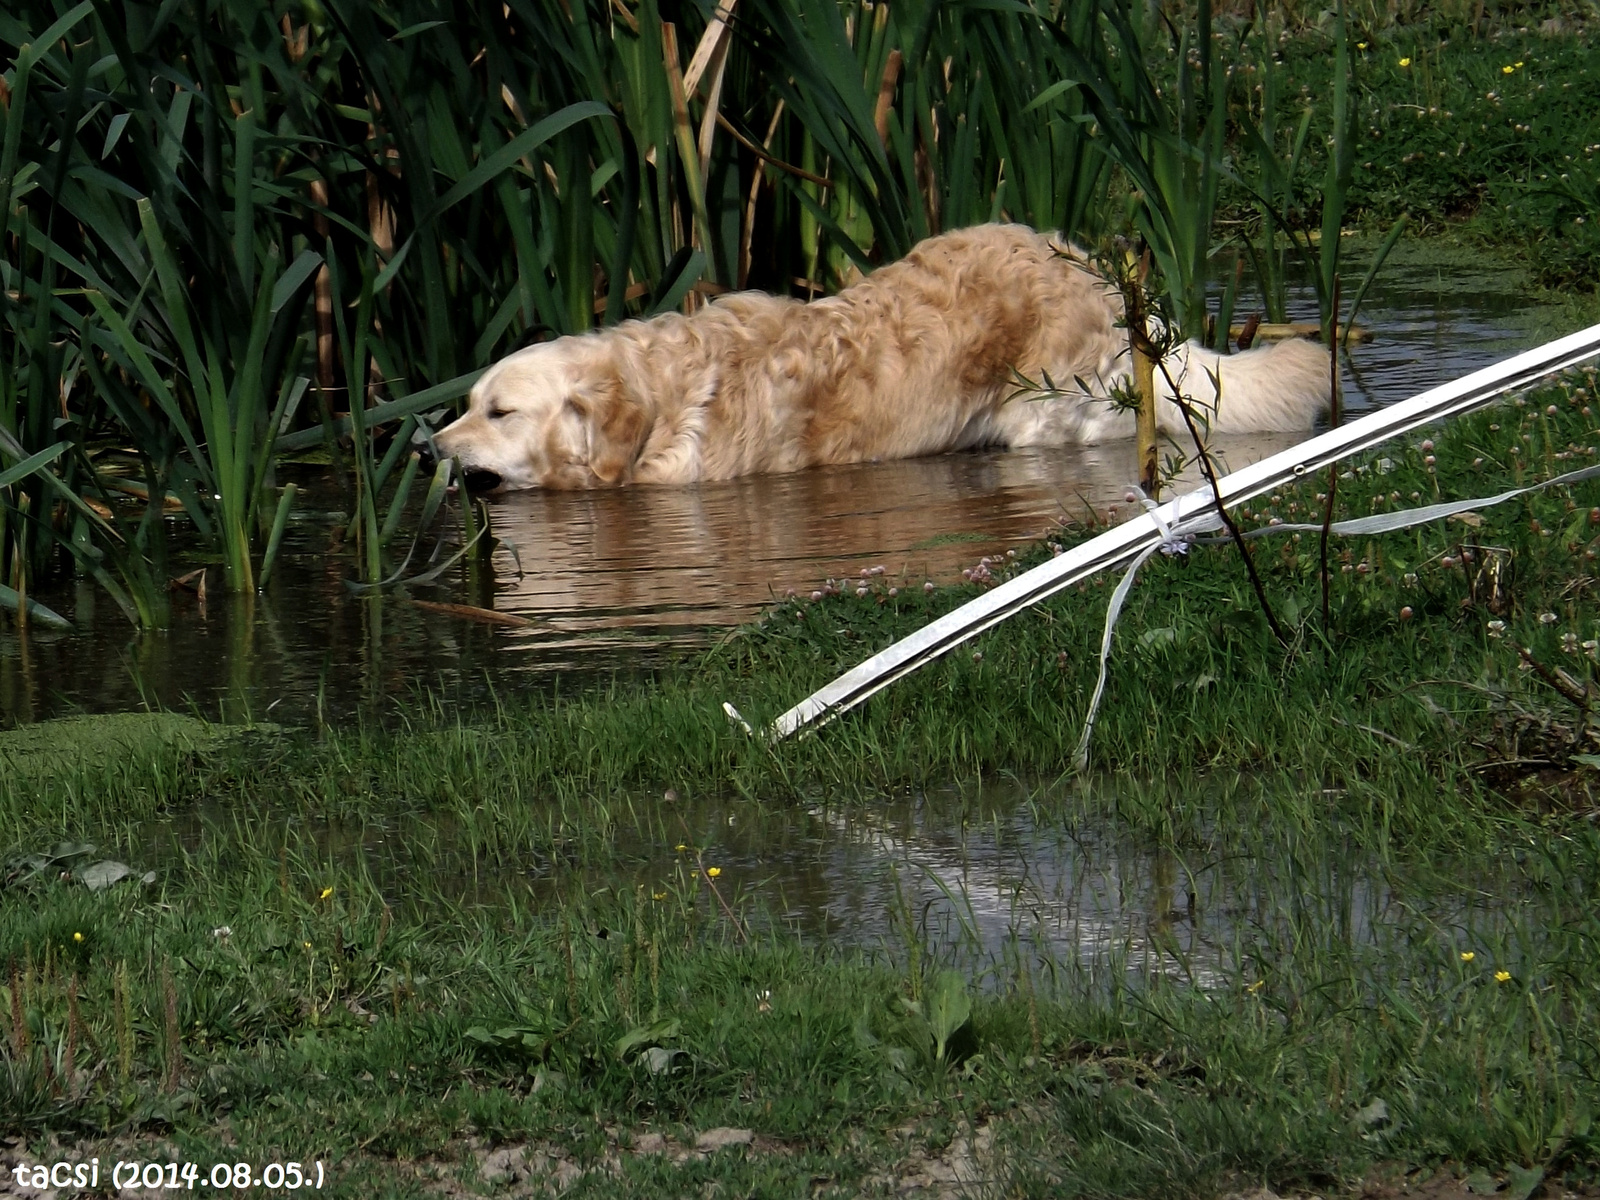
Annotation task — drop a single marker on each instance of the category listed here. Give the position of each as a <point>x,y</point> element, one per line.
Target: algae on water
<point>95,741</point>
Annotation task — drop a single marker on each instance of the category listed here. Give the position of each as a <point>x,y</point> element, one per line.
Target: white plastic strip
<point>1197,508</point>
<point>1405,518</point>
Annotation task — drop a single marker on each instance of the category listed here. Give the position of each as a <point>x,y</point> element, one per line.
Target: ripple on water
<point>627,579</point>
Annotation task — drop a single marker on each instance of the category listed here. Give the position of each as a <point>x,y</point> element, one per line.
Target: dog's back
<point>989,334</point>
<point>905,361</point>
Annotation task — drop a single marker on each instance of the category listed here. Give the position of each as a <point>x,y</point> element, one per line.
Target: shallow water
<point>989,880</point>
<point>630,579</point>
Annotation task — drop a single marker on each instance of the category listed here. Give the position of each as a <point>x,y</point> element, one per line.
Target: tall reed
<point>215,212</point>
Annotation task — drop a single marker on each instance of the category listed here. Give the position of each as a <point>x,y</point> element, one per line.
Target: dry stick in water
<point>699,859</point>
<point>1208,468</point>
<point>1335,416</point>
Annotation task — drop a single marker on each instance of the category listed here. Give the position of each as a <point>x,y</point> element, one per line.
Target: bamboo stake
<point>1144,378</point>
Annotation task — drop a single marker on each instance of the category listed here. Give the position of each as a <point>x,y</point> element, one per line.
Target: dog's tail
<point>1275,389</point>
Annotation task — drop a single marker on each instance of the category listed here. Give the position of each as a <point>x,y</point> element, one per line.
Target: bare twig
<point>1560,681</point>
<point>1210,471</point>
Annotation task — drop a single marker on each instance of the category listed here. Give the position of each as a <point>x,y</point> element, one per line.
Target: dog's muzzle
<point>479,480</point>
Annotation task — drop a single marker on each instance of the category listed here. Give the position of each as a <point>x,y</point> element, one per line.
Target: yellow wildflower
<point>326,892</point>
<point>1502,976</point>
<point>1361,45</point>
<point>713,872</point>
<point>1507,70</point>
<point>1467,956</point>
<point>680,847</point>
<point>1257,985</point>
<point>1405,62</point>
<point>658,895</point>
<point>77,937</point>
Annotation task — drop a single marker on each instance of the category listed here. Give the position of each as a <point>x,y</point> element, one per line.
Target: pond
<point>633,579</point>
<point>630,580</point>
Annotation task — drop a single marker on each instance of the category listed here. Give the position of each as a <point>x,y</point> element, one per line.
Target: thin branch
<point>1210,472</point>
<point>766,156</point>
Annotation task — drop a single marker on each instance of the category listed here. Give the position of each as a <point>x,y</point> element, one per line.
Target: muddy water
<point>630,579</point>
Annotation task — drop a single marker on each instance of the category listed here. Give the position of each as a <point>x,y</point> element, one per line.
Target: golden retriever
<point>926,355</point>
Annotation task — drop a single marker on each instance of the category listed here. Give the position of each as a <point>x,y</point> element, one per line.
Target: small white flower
<point>1497,629</point>
<point>1548,618</point>
<point>222,933</point>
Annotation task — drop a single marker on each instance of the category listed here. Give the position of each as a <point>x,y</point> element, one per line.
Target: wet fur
<point>920,357</point>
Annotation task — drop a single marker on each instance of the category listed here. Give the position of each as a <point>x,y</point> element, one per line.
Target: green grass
<point>525,960</point>
<point>365,1008</point>
<point>1467,148</point>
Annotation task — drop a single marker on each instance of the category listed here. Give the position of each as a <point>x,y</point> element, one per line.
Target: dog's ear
<point>617,427</point>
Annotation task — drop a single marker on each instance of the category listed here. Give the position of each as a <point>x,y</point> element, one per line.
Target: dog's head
<point>555,415</point>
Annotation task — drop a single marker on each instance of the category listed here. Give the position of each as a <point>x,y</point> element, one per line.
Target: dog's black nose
<point>479,480</point>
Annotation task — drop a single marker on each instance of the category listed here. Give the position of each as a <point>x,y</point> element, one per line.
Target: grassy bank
<point>1490,140</point>
<point>271,994</point>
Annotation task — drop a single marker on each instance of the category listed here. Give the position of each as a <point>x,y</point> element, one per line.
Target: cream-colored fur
<point>922,356</point>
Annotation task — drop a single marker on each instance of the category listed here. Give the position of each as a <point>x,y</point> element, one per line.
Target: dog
<point>989,336</point>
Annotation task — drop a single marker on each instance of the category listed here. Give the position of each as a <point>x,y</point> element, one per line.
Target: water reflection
<point>631,579</point>
<point>671,560</point>
<point>982,880</point>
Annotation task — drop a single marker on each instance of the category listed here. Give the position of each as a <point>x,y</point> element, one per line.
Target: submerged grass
<point>267,997</point>
<point>318,1023</point>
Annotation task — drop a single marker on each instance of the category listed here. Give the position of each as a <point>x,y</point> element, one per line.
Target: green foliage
<point>180,183</point>
<point>354,909</point>
<point>1462,137</point>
